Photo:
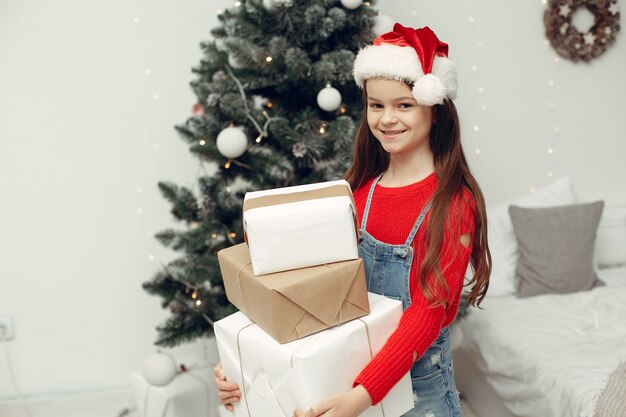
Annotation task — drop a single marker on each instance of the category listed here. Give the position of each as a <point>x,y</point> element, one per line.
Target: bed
<point>550,354</point>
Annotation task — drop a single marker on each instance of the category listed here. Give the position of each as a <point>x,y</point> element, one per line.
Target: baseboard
<point>106,403</point>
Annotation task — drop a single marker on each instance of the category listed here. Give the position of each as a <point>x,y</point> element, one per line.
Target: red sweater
<point>393,213</point>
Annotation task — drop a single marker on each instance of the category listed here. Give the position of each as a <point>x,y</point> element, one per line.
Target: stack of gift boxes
<point>307,325</point>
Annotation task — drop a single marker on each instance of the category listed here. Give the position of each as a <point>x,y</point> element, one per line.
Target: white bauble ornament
<point>159,369</point>
<point>232,142</point>
<point>271,4</point>
<point>351,4</point>
<point>382,24</point>
<point>329,98</point>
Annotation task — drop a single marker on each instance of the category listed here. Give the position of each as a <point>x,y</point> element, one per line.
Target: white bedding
<point>551,355</point>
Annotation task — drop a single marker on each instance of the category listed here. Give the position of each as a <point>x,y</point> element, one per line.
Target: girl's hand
<point>347,404</point>
<point>227,392</point>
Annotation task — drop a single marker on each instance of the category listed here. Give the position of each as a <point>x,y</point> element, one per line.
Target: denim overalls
<point>387,268</point>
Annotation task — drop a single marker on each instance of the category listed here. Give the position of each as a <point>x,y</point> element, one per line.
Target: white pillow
<point>611,240</point>
<point>501,236</point>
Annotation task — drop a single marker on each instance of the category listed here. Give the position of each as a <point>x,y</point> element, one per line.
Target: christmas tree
<point>277,106</point>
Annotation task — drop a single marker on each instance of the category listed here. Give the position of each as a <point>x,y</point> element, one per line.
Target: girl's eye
<point>375,106</point>
<point>405,105</point>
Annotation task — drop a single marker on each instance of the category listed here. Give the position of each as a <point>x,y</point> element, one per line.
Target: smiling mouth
<point>392,132</point>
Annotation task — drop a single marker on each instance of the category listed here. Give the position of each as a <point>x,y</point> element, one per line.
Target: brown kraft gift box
<point>293,304</point>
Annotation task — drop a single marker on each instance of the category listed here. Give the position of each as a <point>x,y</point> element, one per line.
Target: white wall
<point>80,131</point>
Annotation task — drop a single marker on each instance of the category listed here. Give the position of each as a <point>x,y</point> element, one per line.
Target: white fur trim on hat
<point>402,63</point>
<point>387,61</point>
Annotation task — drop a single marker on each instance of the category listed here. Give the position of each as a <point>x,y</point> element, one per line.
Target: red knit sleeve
<point>421,323</point>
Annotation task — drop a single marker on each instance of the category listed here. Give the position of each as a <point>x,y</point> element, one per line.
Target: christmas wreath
<point>568,41</point>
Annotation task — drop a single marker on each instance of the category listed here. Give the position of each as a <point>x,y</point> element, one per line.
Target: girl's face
<point>394,117</point>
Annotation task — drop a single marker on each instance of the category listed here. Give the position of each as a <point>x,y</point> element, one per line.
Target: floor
<point>110,404</point>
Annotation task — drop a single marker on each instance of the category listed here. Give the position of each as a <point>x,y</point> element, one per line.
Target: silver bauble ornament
<point>232,142</point>
<point>159,369</point>
<point>234,62</point>
<point>351,4</point>
<point>272,4</point>
<point>329,98</point>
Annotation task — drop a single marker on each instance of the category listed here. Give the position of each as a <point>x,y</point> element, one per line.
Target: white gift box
<point>190,394</point>
<point>276,379</point>
<point>296,227</point>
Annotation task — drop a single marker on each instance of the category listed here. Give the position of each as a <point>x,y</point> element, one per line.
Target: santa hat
<point>413,55</point>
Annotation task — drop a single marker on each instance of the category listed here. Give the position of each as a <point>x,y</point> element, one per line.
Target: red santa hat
<point>412,55</point>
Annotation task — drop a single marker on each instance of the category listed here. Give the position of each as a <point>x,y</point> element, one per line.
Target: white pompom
<point>329,98</point>
<point>382,24</point>
<point>232,142</point>
<point>445,69</point>
<point>351,4</point>
<point>272,4</point>
<point>428,90</point>
<point>159,369</point>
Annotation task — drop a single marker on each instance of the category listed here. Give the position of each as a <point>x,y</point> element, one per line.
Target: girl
<point>422,217</point>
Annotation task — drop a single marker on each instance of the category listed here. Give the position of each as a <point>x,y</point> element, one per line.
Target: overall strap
<point>418,222</point>
<point>369,201</point>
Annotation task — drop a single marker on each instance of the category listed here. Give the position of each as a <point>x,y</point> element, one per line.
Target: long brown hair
<point>453,173</point>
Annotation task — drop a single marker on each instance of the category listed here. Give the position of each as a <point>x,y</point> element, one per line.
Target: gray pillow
<point>556,248</point>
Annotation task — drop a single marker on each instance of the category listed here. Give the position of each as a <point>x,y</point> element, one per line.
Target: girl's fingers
<point>229,407</point>
<point>226,386</point>
<point>225,396</point>
<point>229,399</point>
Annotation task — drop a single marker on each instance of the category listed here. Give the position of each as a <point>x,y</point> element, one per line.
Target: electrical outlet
<point>7,332</point>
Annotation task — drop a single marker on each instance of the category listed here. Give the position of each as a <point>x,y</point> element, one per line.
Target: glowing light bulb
<point>476,128</point>
<point>532,189</point>
<point>550,150</point>
<point>232,235</point>
<point>258,139</point>
<point>228,189</point>
<point>151,257</point>
<point>213,236</point>
<point>156,96</point>
<point>550,173</point>
<point>471,19</point>
<point>477,151</point>
<point>484,107</point>
<point>194,294</point>
<point>268,59</point>
<point>557,129</point>
<point>202,142</point>
<point>198,302</point>
<point>136,19</point>
<point>550,83</point>
<point>140,189</point>
<point>139,211</point>
<point>474,67</point>
<point>147,71</point>
<point>481,90</point>
<point>227,164</point>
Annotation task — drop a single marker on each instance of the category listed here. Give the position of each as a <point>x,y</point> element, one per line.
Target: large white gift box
<point>275,379</point>
<point>301,226</point>
<point>190,394</point>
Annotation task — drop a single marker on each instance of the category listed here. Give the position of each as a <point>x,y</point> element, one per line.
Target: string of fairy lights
<point>151,77</point>
<point>554,129</point>
<point>474,69</point>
